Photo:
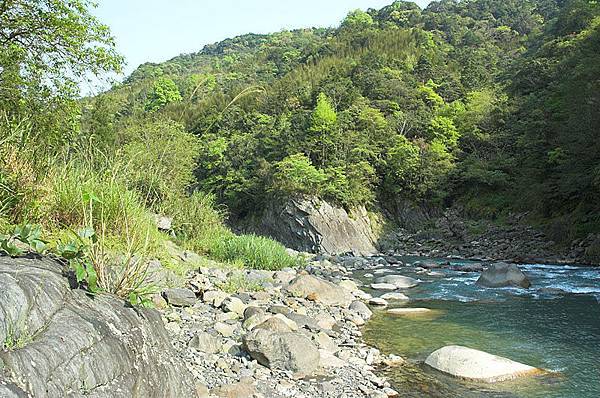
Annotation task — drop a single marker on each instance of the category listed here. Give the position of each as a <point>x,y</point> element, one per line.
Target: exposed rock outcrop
<point>60,342</point>
<point>470,364</point>
<point>316,226</point>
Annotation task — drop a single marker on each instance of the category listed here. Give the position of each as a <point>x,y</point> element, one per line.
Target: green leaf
<point>90,197</point>
<point>11,249</point>
<point>38,246</point>
<point>79,269</point>
<point>86,233</point>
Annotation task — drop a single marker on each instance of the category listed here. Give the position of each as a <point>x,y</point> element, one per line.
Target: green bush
<point>255,252</point>
<point>197,221</point>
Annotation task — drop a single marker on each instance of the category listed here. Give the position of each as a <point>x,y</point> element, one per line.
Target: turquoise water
<point>557,330</point>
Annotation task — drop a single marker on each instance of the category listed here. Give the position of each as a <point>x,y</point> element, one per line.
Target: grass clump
<point>240,283</point>
<point>253,251</point>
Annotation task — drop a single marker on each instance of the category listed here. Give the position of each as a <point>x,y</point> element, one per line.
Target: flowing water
<point>555,325</point>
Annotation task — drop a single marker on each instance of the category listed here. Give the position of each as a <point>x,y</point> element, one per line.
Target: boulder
<point>467,363</point>
<point>383,286</point>
<point>282,351</point>
<point>503,275</point>
<point>408,311</point>
<point>316,226</point>
<point>317,289</point>
<point>180,297</point>
<point>399,281</point>
<point>361,309</point>
<point>378,301</point>
<point>395,296</point>
<point>66,340</point>
<point>205,342</point>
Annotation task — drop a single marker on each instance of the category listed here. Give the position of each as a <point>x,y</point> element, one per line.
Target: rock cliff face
<point>316,226</point>
<point>59,342</point>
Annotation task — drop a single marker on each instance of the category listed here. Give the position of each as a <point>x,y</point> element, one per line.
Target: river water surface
<point>555,325</point>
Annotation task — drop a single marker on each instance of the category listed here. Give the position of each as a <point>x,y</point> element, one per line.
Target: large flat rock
<point>320,290</point>
<point>470,364</point>
<point>64,343</point>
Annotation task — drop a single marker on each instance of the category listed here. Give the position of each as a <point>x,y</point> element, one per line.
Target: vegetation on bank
<point>92,198</point>
<point>485,104</point>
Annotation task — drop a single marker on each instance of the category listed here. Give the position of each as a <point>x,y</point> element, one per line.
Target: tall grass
<point>116,192</point>
<point>253,251</point>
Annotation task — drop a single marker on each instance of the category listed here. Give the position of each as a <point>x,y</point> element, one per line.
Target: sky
<point>158,30</point>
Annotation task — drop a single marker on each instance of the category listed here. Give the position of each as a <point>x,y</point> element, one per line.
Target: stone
<point>395,296</point>
<point>503,275</point>
<point>202,391</point>
<point>205,342</point>
<point>224,329</point>
<point>467,363</point>
<point>235,305</point>
<point>325,342</point>
<point>383,286</point>
<point>349,285</point>
<point>399,281</point>
<point>325,320</point>
<point>328,360</point>
<point>274,324</point>
<point>378,301</point>
<point>408,311</point>
<point>180,297</point>
<point>282,351</point>
<point>319,290</point>
<point>236,390</point>
<point>290,323</point>
<point>101,342</point>
<point>361,309</point>
<point>214,297</point>
<point>255,320</point>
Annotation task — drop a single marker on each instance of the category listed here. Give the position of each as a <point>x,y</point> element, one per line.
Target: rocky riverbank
<point>291,333</point>
<point>454,237</point>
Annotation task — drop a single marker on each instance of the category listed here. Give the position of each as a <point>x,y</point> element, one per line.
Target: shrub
<point>158,160</point>
<point>198,223</point>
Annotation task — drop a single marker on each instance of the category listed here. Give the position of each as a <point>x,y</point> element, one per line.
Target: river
<point>554,325</point>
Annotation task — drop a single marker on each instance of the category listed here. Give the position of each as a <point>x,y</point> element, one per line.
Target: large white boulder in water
<point>400,281</point>
<point>467,363</point>
<point>503,275</point>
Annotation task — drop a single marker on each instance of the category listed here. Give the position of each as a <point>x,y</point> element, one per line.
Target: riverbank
<point>514,241</point>
<point>275,334</point>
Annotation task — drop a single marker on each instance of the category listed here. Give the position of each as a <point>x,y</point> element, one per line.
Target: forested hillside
<point>487,104</point>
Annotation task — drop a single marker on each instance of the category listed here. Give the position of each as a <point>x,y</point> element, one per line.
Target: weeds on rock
<point>28,236</point>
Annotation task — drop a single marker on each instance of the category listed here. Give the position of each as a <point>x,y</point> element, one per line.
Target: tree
<point>53,44</point>
<point>47,48</point>
<point>323,122</point>
<point>164,91</point>
<point>295,175</point>
<point>358,20</point>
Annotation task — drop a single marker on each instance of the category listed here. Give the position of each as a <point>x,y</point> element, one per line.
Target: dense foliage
<point>488,104</point>
<point>89,190</point>
<point>491,105</point>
